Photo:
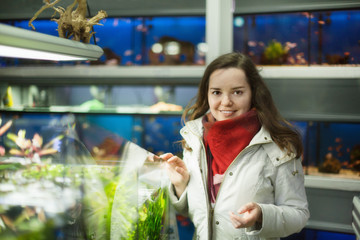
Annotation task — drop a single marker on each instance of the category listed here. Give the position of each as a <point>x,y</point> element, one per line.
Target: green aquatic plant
<point>275,53</point>
<point>151,216</point>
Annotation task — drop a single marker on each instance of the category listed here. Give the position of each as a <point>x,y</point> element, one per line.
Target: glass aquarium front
<point>176,40</point>
<point>301,38</point>
<point>144,98</point>
<point>90,175</point>
<point>55,185</point>
<point>332,149</point>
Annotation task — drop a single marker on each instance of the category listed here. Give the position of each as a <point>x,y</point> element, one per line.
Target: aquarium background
<point>302,38</point>
<point>129,41</point>
<point>296,38</point>
<point>160,133</point>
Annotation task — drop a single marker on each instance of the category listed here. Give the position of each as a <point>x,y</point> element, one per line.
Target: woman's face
<point>229,93</point>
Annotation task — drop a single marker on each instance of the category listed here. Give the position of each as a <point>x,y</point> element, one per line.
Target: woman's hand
<point>177,172</point>
<point>251,213</point>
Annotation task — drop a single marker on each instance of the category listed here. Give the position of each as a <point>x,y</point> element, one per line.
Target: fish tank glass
<point>96,97</point>
<point>332,149</point>
<point>173,40</point>
<point>55,185</point>
<point>301,38</point>
<point>90,175</point>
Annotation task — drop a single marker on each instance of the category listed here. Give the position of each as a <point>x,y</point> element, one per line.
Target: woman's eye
<point>238,92</point>
<point>216,92</point>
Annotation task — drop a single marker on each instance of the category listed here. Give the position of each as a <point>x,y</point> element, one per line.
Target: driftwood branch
<point>72,23</point>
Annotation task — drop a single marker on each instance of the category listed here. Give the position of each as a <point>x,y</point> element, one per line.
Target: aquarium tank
<point>158,40</point>
<point>54,185</point>
<point>301,38</point>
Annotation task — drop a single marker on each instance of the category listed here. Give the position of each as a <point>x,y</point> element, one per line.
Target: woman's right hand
<point>177,172</point>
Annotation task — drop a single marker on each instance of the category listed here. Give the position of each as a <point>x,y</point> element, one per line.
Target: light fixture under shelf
<point>21,43</point>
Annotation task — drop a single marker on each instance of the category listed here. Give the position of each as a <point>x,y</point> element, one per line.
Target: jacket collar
<point>276,155</point>
<point>195,127</point>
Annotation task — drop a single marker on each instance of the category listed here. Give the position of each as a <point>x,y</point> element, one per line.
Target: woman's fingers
<point>176,161</point>
<point>166,156</point>
<point>176,169</point>
<point>179,170</point>
<point>153,158</point>
<point>250,214</point>
<point>237,221</point>
<point>247,207</point>
<point>173,160</point>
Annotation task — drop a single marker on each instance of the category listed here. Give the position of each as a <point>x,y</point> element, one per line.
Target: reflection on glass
<point>136,41</point>
<point>303,38</point>
<point>151,99</point>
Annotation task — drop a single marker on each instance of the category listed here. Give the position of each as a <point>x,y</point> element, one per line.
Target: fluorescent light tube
<point>15,52</point>
<point>21,43</point>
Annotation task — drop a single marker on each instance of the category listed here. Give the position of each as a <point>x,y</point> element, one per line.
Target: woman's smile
<point>227,113</point>
<point>229,93</point>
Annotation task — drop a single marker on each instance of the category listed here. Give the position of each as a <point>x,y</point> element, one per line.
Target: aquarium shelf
<point>312,72</point>
<point>328,181</point>
<point>152,75</point>
<point>113,75</point>
<point>321,117</point>
<point>326,226</point>
<point>121,110</point>
<point>330,203</point>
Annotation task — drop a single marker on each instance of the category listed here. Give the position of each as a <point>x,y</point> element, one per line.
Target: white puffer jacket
<point>261,173</point>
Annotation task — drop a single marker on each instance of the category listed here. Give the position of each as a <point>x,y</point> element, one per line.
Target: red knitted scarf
<point>226,139</point>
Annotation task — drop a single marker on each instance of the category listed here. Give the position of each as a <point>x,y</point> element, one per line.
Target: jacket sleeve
<point>180,204</point>
<point>289,213</point>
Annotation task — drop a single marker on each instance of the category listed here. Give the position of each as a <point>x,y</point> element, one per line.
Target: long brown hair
<point>281,131</point>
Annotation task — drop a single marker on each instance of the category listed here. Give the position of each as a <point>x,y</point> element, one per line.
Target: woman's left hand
<point>250,214</point>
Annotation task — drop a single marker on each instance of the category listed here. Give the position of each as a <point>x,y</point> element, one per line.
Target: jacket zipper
<point>211,209</point>
<point>225,173</point>
<point>211,212</point>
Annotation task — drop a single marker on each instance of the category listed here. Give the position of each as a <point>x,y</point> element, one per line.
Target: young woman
<point>241,175</point>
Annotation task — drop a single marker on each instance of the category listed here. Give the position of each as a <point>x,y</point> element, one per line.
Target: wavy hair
<point>282,132</point>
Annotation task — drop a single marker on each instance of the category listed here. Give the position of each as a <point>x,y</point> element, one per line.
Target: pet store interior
<point>78,123</point>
